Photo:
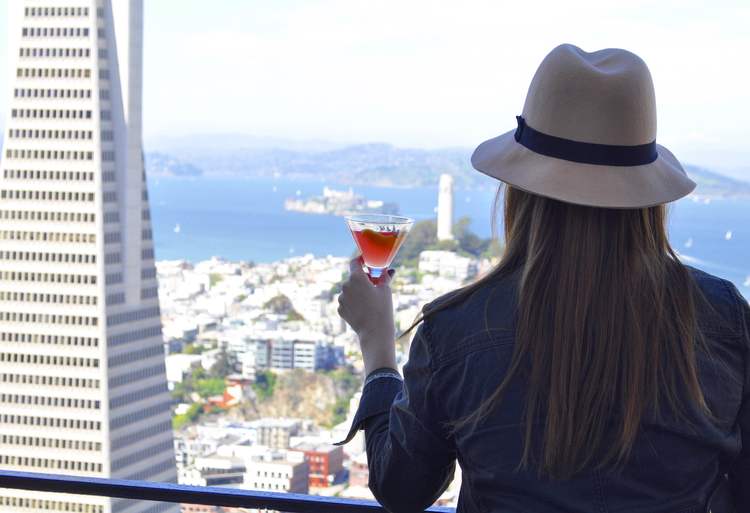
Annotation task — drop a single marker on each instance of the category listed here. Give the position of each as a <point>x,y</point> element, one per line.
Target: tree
<point>340,411</point>
<point>223,366</point>
<point>265,381</point>
<point>421,236</point>
<point>210,386</point>
<point>467,240</point>
<point>280,304</point>
<point>193,349</point>
<point>191,415</point>
<point>494,251</point>
<point>198,373</point>
<point>180,392</point>
<point>294,315</point>
<point>214,279</point>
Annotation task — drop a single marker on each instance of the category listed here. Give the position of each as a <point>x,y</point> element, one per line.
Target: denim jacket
<point>457,359</point>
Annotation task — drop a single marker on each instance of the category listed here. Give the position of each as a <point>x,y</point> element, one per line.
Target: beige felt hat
<point>587,135</point>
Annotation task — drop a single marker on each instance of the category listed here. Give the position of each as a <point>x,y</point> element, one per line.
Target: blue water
<point>246,220</point>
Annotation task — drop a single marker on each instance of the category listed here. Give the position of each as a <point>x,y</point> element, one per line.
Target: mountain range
<point>377,164</point>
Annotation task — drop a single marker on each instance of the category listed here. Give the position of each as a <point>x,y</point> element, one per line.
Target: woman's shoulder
<point>483,313</point>
<point>720,305</point>
<point>481,292</point>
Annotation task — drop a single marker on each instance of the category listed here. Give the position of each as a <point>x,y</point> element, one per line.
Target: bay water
<point>195,219</point>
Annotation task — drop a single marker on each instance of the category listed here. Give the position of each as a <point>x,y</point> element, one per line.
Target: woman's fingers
<point>355,266</point>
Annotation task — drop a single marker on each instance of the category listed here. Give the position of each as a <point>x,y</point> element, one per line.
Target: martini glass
<point>378,237</point>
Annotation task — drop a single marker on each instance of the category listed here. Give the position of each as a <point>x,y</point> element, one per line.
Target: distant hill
<point>376,164</point>
<point>711,183</point>
<point>159,164</point>
<point>372,164</point>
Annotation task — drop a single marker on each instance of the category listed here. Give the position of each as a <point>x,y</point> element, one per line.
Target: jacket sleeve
<point>739,473</point>
<point>411,460</point>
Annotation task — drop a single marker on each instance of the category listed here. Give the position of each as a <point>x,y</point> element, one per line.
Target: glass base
<point>375,272</point>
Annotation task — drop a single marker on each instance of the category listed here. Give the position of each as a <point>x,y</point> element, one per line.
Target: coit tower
<point>445,208</point>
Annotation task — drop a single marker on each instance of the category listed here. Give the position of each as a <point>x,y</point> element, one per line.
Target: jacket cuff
<point>383,372</point>
<point>377,398</point>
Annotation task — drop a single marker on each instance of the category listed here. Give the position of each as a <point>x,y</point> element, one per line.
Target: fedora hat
<point>587,135</point>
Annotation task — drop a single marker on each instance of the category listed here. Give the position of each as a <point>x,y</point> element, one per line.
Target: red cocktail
<point>378,237</point>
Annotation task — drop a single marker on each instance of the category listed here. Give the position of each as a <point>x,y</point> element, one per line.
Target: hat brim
<point>662,181</point>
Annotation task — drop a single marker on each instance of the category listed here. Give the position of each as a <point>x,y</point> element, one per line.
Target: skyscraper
<point>445,208</point>
<point>82,380</point>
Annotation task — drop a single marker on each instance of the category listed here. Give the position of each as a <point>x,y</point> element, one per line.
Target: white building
<point>275,432</point>
<point>447,264</point>
<point>283,471</point>
<point>80,330</point>
<point>445,208</point>
<point>214,470</point>
<point>179,365</point>
<point>247,363</point>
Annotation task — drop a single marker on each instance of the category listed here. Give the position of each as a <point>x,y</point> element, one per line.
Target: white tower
<point>445,208</point>
<point>82,380</point>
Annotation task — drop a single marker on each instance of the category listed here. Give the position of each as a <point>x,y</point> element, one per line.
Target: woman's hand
<point>368,309</point>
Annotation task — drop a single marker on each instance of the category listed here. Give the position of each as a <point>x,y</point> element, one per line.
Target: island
<point>339,203</point>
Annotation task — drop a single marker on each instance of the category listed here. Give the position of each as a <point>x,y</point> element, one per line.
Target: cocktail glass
<point>378,237</point>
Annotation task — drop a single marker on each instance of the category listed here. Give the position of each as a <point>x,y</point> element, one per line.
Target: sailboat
<point>177,228</point>
<point>728,235</point>
<point>689,243</point>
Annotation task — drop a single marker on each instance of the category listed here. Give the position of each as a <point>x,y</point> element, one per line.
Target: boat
<point>689,243</point>
<point>728,235</point>
<point>177,228</point>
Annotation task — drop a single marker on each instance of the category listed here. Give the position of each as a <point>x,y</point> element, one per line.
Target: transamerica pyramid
<point>82,380</point>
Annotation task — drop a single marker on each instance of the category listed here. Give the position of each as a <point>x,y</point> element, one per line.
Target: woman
<point>591,371</point>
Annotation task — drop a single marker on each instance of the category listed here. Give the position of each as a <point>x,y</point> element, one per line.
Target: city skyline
<point>425,75</point>
<point>81,350</point>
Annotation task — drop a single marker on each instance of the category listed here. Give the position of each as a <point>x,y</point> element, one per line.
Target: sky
<point>431,73</point>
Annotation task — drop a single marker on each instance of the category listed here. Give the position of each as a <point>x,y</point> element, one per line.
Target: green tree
<point>193,349</point>
<point>345,385</point>
<point>421,236</point>
<point>181,392</point>
<point>494,251</point>
<point>468,241</point>
<point>340,411</point>
<point>445,245</point>
<point>265,382</point>
<point>191,415</point>
<point>210,386</point>
<point>197,374</point>
<point>344,379</point>
<point>214,279</point>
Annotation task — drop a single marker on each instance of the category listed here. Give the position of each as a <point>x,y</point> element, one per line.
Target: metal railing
<point>168,492</point>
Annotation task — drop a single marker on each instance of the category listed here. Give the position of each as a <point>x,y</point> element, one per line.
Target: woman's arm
<point>411,460</point>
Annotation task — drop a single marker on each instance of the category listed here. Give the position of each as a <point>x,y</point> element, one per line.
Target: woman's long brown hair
<point>606,328</point>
